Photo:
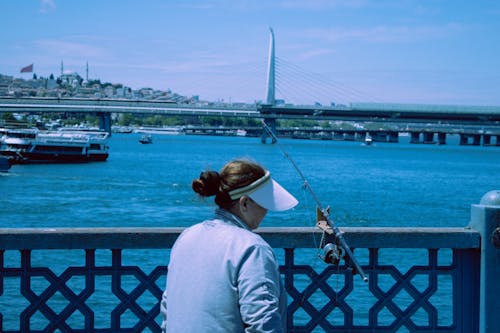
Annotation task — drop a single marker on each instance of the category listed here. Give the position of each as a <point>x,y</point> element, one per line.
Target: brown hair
<point>235,174</point>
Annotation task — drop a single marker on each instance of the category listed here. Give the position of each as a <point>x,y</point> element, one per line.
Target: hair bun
<point>208,184</point>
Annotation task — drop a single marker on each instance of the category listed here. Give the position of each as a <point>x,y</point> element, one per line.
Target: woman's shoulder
<point>219,231</point>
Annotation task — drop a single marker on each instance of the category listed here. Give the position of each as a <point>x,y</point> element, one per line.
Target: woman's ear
<point>244,203</point>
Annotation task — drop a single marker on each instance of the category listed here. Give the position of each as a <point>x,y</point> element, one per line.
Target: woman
<point>222,277</point>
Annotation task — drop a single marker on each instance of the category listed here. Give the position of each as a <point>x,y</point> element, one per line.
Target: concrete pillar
<point>393,137</point>
<point>415,137</point>
<point>442,138</point>
<point>271,123</point>
<point>485,218</point>
<point>349,136</point>
<point>360,136</point>
<point>429,137</point>
<point>476,139</point>
<point>338,135</point>
<point>464,139</point>
<point>105,121</point>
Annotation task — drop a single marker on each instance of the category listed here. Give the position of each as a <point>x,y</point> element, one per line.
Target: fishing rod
<point>332,253</point>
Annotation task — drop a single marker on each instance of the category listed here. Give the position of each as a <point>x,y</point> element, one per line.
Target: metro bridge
<point>471,122</point>
<point>361,112</point>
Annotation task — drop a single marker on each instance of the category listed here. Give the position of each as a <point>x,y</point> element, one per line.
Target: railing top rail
<point>296,237</point>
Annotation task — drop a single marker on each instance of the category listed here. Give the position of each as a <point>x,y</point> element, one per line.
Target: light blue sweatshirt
<point>222,277</point>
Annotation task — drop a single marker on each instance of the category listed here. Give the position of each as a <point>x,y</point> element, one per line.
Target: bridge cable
<point>319,82</point>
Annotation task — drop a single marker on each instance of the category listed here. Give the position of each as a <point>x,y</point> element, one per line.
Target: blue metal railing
<point>83,280</point>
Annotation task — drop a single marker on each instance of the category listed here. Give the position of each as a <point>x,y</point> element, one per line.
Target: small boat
<point>5,163</point>
<point>241,132</point>
<point>146,139</point>
<point>25,146</point>
<point>368,140</point>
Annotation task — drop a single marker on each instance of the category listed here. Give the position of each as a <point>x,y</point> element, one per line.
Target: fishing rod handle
<point>343,244</point>
<point>353,260</point>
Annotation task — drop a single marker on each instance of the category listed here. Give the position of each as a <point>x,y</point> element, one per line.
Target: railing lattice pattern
<point>112,297</point>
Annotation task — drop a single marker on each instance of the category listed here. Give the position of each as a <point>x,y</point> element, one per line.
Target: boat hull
<point>37,158</point>
<point>5,163</point>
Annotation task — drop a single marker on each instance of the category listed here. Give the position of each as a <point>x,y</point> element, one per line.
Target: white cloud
<point>47,6</point>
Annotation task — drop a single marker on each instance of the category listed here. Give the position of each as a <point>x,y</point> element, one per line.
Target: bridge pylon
<point>270,95</point>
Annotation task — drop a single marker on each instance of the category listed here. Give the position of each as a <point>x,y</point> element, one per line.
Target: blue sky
<point>400,51</point>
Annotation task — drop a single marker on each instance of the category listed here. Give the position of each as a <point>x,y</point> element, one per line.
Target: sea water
<point>385,184</point>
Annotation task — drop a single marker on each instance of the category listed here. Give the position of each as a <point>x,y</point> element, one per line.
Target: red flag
<point>27,69</point>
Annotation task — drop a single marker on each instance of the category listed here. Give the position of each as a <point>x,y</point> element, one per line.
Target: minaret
<point>87,73</point>
<point>270,98</point>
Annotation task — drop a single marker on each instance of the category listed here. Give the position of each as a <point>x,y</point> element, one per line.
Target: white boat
<point>172,130</point>
<point>146,139</point>
<point>241,132</point>
<point>36,146</point>
<point>368,140</point>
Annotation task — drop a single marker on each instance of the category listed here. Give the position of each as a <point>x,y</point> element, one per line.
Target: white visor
<point>266,192</point>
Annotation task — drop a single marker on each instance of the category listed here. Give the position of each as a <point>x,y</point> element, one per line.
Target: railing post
<point>485,218</point>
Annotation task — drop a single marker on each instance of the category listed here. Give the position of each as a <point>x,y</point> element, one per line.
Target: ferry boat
<point>4,163</point>
<point>36,146</point>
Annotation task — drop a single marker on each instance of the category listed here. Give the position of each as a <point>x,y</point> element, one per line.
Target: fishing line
<point>331,252</point>
<point>317,245</point>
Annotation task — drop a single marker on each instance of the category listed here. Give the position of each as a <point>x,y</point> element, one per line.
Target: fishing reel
<point>331,254</point>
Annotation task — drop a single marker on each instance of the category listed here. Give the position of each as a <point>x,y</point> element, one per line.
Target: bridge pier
<point>271,123</point>
<point>393,137</point>
<point>382,136</point>
<point>104,121</point>
<point>338,135</point>
<point>498,140</point>
<point>487,140</point>
<point>429,138</point>
<point>442,138</point>
<point>349,136</point>
<point>470,139</point>
<point>415,137</point>
<point>360,136</point>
